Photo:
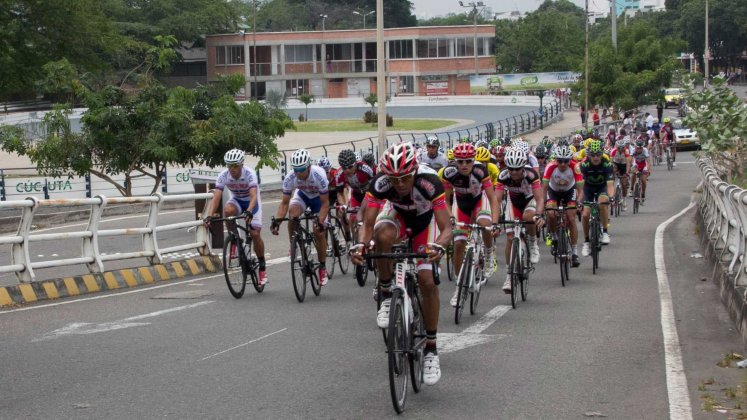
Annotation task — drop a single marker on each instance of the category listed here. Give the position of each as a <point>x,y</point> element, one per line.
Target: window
<point>296,87</point>
<point>400,49</point>
<point>339,51</point>
<point>465,47</point>
<point>406,84</point>
<point>299,53</point>
<point>231,54</point>
<point>433,48</point>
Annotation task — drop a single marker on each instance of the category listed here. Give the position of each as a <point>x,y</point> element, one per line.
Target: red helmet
<point>399,160</point>
<point>499,151</point>
<point>464,151</point>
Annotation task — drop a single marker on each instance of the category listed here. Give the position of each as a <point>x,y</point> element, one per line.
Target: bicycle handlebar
<point>285,219</point>
<point>229,218</point>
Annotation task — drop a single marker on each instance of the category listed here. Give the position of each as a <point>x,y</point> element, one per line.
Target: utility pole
<point>324,59</point>
<point>254,47</point>
<point>380,76</point>
<point>474,6</point>
<point>707,54</point>
<point>586,68</point>
<point>613,19</point>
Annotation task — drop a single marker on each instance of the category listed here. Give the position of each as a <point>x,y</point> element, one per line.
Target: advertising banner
<point>495,83</point>
<point>436,88</point>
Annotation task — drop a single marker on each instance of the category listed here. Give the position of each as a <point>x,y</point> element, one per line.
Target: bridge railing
<point>22,265</point>
<point>723,207</point>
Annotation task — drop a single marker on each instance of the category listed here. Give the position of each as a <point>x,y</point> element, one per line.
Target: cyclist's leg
<point>552,216</point>
<point>571,220</point>
<point>296,209</point>
<point>604,210</point>
<point>320,234</point>
<point>388,229</point>
<point>460,238</point>
<point>481,215</point>
<point>589,195</point>
<point>232,208</point>
<point>644,182</point>
<point>431,303</point>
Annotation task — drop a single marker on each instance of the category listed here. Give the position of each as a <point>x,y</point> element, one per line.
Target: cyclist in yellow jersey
<point>581,154</point>
<point>483,156</point>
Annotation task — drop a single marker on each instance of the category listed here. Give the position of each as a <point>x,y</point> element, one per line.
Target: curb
<point>110,280</point>
<point>731,296</point>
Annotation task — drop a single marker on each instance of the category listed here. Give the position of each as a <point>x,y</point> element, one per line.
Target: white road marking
<point>679,397</point>
<point>84,328</point>
<point>472,336</point>
<point>242,345</point>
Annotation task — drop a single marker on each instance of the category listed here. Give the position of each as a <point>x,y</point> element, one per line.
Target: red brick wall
<point>336,89</point>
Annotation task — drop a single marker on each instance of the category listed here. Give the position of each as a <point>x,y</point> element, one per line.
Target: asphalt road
<point>594,346</point>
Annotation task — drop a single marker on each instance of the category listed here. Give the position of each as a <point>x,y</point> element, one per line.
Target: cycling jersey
<point>667,133</point>
<point>358,183</point>
<point>595,175</point>
<point>467,188</point>
<point>562,180</point>
<point>641,157</point>
<point>417,207</point>
<point>532,161</point>
<point>620,157</point>
<point>436,163</point>
<point>332,179</point>
<point>313,186</point>
<point>520,192</point>
<point>581,155</point>
<point>240,189</point>
<point>493,172</point>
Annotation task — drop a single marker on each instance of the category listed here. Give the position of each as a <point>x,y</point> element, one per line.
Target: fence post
<point>202,233</point>
<point>283,167</point>
<point>90,247</point>
<point>20,252</point>
<point>150,239</point>
<point>88,185</point>
<point>325,150</point>
<point>164,178</point>
<point>2,185</point>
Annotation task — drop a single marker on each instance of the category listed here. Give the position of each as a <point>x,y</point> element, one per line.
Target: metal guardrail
<point>22,265</point>
<point>723,207</point>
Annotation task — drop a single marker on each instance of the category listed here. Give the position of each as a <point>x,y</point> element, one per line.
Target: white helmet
<point>563,152</point>
<point>520,144</point>
<point>300,158</point>
<point>233,157</point>
<point>626,139</point>
<point>399,160</point>
<point>515,158</point>
<point>432,141</point>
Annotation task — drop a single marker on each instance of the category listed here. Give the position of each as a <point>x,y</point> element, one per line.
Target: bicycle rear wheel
<point>417,340</point>
<point>299,267</point>
<point>331,251</point>
<point>234,266</point>
<point>463,284</point>
<point>397,352</point>
<point>313,277</point>
<point>514,271</point>
<point>450,262</point>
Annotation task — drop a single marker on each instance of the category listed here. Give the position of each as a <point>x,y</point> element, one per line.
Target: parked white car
<point>686,137</point>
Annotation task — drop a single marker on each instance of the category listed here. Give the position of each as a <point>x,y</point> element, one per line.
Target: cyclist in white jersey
<point>431,156</point>
<point>309,188</point>
<point>241,181</point>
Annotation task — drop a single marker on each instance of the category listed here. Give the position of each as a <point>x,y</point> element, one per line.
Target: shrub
<point>301,118</point>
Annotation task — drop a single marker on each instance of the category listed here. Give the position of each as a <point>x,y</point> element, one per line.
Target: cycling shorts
<point>514,211</point>
<point>420,239</point>
<point>592,192</point>
<point>481,211</point>
<point>301,200</point>
<point>620,167</point>
<point>642,167</point>
<point>242,205</point>
<point>568,198</point>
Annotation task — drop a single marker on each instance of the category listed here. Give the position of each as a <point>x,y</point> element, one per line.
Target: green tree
<point>306,99</point>
<point>720,119</point>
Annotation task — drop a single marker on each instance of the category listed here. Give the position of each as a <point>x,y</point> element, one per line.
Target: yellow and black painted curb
<point>110,280</point>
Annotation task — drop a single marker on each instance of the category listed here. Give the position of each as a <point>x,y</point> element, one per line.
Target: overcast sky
<point>429,8</point>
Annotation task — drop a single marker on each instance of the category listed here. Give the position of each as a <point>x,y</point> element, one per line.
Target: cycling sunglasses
<point>299,169</point>
<point>465,161</point>
<point>563,160</point>
<point>400,179</point>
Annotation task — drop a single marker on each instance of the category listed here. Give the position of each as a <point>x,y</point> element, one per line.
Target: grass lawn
<point>359,125</point>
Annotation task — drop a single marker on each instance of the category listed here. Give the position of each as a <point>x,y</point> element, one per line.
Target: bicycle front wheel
<point>331,252</point>
<point>525,273</point>
<point>252,265</point>
<point>563,257</point>
<point>234,266</point>
<point>299,267</point>
<point>515,271</point>
<point>417,340</point>
<point>341,249</point>
<point>465,274</point>
<point>397,348</point>
<point>479,273</point>
<point>311,273</point>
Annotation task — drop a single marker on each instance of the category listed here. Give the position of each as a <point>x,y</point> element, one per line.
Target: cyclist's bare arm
<point>217,196</point>
<point>283,207</point>
<point>443,221</point>
<point>494,207</point>
<point>499,201</point>
<point>539,198</point>
<point>324,211</point>
<point>252,199</point>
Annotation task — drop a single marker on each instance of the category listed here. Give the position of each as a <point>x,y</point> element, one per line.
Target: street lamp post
<point>541,94</point>
<point>707,54</point>
<point>364,14</point>
<point>474,6</point>
<point>586,68</point>
<point>324,59</point>
<point>254,48</point>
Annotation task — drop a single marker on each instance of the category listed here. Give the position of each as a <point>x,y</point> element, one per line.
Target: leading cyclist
<point>241,181</point>
<point>405,195</point>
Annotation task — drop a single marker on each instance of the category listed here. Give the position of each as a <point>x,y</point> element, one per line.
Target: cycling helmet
<point>656,120</point>
<point>500,151</point>
<point>399,160</point>
<point>432,141</point>
<point>516,158</point>
<point>521,145</point>
<point>494,143</point>
<point>464,151</point>
<point>595,147</point>
<point>465,139</point>
<point>300,158</point>
<point>667,120</point>
<point>347,158</point>
<point>620,144</point>
<point>233,157</point>
<point>639,143</point>
<point>563,152</point>
<point>482,154</point>
<point>450,154</point>
<point>540,151</point>
<point>325,163</point>
<point>369,159</point>
<point>507,141</point>
<point>358,156</point>
<point>587,142</point>
<point>563,142</point>
<point>481,143</point>
<point>626,139</point>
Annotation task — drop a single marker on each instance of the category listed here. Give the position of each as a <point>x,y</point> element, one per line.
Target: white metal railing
<point>723,207</point>
<point>22,265</point>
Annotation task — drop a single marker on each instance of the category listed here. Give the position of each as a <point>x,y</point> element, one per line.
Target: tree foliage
<point>720,119</point>
<point>302,15</point>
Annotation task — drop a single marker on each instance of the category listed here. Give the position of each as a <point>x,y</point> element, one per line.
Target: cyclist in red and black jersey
<point>475,202</point>
<point>356,175</point>
<point>402,196</point>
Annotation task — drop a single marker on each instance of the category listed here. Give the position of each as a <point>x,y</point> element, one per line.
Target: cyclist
<point>522,145</point>
<point>621,163</point>
<point>525,199</point>
<point>407,196</point>
<point>540,152</point>
<point>475,202</point>
<point>668,137</point>
<point>610,138</point>
<point>563,183</point>
<point>599,186</point>
<point>499,153</point>
<point>483,156</point>
<point>306,187</point>
<point>432,157</point>
<point>641,168</point>
<point>241,181</point>
<point>356,175</point>
<point>370,160</point>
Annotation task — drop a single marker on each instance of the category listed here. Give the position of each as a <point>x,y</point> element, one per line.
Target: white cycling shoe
<point>382,317</point>
<point>605,238</point>
<point>431,369</point>
<point>534,253</point>
<point>586,250</point>
<point>507,284</point>
<point>454,298</point>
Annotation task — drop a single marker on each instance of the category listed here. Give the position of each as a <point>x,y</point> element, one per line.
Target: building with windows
<point>336,64</point>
